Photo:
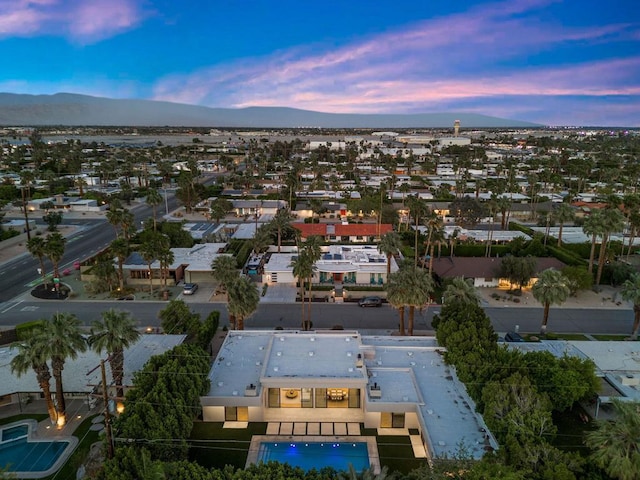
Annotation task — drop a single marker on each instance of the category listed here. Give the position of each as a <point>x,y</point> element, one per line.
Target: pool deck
<point>372,446</point>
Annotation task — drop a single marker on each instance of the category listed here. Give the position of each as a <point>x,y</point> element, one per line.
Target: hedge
<point>24,330</point>
<point>566,257</point>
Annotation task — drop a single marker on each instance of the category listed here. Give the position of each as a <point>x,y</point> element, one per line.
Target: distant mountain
<point>73,109</point>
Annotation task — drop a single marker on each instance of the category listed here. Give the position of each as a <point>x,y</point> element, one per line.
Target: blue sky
<point>572,62</point>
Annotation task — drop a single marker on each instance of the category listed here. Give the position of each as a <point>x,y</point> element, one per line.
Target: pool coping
<point>33,437</point>
<point>372,445</point>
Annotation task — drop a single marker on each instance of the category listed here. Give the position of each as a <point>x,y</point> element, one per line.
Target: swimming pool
<point>27,457</point>
<point>309,455</point>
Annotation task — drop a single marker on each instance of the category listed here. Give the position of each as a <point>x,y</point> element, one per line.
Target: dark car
<point>513,337</point>
<point>370,302</point>
<point>189,288</point>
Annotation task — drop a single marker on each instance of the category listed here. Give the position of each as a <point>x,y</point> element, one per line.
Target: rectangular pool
<point>12,433</point>
<point>310,455</point>
<point>23,456</point>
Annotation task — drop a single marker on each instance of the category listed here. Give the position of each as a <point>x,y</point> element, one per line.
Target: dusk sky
<point>572,62</point>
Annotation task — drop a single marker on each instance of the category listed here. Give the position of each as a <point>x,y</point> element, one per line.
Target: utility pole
<point>26,216</point>
<point>107,416</point>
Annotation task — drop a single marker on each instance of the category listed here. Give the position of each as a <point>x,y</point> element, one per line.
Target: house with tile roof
<point>339,232</point>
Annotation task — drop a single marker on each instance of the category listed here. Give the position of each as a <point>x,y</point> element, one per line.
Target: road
<point>326,315</point>
<point>20,275</point>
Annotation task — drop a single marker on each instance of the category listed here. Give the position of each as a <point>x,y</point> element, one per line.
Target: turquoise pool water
<point>12,433</point>
<point>19,454</point>
<point>309,455</point>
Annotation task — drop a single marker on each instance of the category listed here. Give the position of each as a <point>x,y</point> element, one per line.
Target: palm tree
<point>614,443</point>
<point>166,258</point>
<point>612,221</point>
<point>631,293</point>
<point>154,199</point>
<point>280,221</point>
<point>303,269</point>
<point>115,216</point>
<point>504,205</point>
<point>313,249</point>
<point>37,248</point>
<point>31,356</point>
<point>461,291</point>
<point>61,338</point>
<point>120,248</point>
<point>224,271</point>
<point>243,300</point>
<point>148,251</point>
<point>420,286</point>
<point>593,226</point>
<point>551,288</point>
<point>563,213</point>
<point>418,209</point>
<point>389,245</point>
<point>54,250</point>
<point>397,296</point>
<point>115,332</point>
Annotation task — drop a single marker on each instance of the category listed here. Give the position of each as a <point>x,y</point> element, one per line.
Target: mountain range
<point>78,110</point>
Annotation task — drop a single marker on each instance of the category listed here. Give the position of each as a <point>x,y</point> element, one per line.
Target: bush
<point>25,330</point>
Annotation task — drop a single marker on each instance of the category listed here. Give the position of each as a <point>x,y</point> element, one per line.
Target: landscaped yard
<point>214,447</point>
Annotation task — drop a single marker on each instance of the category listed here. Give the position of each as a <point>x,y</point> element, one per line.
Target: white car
<point>189,288</point>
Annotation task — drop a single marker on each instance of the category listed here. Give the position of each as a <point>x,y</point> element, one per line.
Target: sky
<point>554,62</point>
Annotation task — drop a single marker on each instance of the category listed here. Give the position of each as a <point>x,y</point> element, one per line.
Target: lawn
<point>34,416</point>
<point>214,447</point>
<point>614,338</point>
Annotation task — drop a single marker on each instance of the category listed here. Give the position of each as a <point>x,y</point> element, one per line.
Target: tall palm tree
<point>31,356</point>
<point>461,291</point>
<point>303,269</point>
<point>593,226</point>
<point>614,443</point>
<point>120,249</point>
<point>389,245</point>
<point>243,300</point>
<point>417,209</point>
<point>612,221</point>
<point>37,248</point>
<point>631,293</point>
<point>224,271</point>
<point>166,258</point>
<point>562,214</point>
<point>60,339</point>
<point>114,217</point>
<point>397,296</point>
<point>54,250</point>
<point>551,288</point>
<point>313,249</point>
<point>280,221</point>
<point>420,286</point>
<point>115,332</point>
<point>154,199</point>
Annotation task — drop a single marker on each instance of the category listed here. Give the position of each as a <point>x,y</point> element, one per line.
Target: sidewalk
<point>608,298</point>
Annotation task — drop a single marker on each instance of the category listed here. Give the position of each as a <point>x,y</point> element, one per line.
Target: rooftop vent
<point>359,361</point>
<point>375,391</point>
<point>311,353</point>
<point>251,391</point>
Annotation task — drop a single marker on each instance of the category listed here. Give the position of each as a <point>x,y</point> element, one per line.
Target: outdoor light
<point>120,407</point>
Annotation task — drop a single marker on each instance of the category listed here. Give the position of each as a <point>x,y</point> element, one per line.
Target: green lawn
<point>214,447</point>
<point>34,416</point>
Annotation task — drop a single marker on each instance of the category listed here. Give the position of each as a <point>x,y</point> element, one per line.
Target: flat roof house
<point>318,378</point>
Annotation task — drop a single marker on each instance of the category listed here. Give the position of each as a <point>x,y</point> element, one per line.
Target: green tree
<point>550,289</point>
<point>418,210</point>
<point>467,211</point>
<point>578,278</point>
<point>54,250</point>
<point>612,221</point>
<point>615,444</point>
<point>303,268</point>
<point>389,245</point>
<point>120,249</point>
<point>219,208</point>
<point>631,293</point>
<point>224,271</point>
<point>177,319</point>
<point>562,214</point>
<point>281,220</point>
<point>154,199</point>
<point>461,290</point>
<point>31,356</point>
<point>52,219</point>
<point>518,270</point>
<point>60,339</point>
<point>113,334</point>
<point>37,248</point>
<point>410,287</point>
<point>593,226</point>
<point>243,300</point>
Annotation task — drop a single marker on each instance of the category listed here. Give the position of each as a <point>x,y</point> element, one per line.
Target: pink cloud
<point>84,20</point>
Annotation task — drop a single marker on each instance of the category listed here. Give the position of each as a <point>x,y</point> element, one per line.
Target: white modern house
<point>384,382</point>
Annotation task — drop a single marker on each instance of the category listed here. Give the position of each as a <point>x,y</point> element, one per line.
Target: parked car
<point>370,302</point>
<point>513,337</point>
<point>189,288</point>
